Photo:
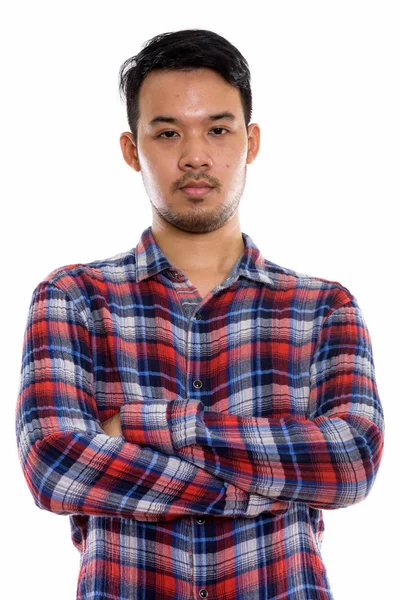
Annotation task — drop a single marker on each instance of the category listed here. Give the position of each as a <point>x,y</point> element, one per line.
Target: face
<point>178,142</point>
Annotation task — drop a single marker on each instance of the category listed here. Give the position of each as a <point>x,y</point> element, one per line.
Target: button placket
<point>197,384</point>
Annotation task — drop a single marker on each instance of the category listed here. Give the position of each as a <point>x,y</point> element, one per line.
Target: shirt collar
<point>150,259</point>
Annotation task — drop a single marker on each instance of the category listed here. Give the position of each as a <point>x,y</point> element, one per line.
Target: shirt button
<point>203,593</point>
<point>197,316</point>
<point>197,383</point>
<point>200,521</point>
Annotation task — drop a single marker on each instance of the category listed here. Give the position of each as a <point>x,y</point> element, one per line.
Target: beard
<point>200,218</point>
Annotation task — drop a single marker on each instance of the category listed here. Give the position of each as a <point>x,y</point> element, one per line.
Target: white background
<point>321,198</point>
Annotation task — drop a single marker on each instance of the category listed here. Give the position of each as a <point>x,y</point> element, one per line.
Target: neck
<point>211,253</point>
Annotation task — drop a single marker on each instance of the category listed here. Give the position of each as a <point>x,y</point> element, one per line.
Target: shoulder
<point>308,288</point>
<point>80,281</point>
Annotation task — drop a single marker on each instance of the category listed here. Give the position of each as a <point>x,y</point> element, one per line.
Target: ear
<point>253,142</point>
<point>129,150</point>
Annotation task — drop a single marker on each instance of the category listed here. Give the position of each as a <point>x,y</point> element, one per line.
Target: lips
<point>198,184</point>
<point>196,190</point>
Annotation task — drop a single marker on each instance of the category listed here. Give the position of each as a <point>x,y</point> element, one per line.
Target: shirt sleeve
<point>69,463</point>
<point>329,459</point>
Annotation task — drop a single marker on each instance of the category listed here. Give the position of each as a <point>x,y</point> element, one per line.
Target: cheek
<point>236,158</point>
<point>153,169</point>
<point>161,167</point>
<point>235,163</point>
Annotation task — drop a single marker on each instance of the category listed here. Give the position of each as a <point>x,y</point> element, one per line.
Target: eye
<point>215,129</point>
<point>170,137</point>
<point>164,132</point>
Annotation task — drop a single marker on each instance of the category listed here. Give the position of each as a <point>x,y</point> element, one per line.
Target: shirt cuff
<point>164,425</point>
<point>144,422</point>
<point>185,421</point>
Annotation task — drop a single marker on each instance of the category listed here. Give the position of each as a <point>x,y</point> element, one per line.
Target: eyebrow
<point>163,119</point>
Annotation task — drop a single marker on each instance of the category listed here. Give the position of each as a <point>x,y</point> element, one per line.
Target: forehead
<point>191,94</point>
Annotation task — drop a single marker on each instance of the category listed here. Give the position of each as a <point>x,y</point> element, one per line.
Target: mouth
<point>196,191</point>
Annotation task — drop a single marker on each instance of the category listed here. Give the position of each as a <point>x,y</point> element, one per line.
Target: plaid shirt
<point>244,415</point>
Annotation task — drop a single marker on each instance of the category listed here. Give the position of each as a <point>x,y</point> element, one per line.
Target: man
<point>192,406</point>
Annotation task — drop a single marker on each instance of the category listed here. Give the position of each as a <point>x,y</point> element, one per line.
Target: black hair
<point>184,50</point>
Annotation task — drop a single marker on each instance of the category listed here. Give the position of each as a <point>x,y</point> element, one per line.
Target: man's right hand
<point>112,426</point>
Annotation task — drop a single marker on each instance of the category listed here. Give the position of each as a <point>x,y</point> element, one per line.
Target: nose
<point>194,156</point>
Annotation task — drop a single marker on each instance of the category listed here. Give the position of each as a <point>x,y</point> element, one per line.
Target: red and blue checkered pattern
<point>244,415</point>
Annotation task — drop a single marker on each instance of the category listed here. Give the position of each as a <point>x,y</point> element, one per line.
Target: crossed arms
<point>163,459</point>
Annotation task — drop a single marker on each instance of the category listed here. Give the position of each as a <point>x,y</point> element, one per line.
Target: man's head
<point>199,84</point>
